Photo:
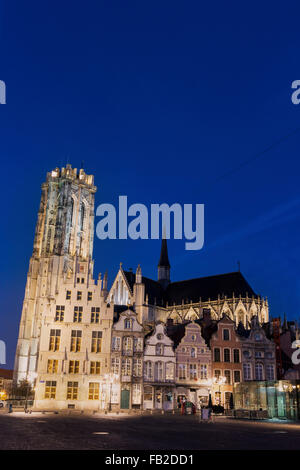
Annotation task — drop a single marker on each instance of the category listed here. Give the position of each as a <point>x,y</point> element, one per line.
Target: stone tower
<point>62,255</point>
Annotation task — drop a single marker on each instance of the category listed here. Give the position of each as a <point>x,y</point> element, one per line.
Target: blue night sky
<point>165,102</point>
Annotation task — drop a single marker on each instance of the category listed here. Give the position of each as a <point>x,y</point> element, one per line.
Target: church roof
<point>192,289</point>
<point>208,288</point>
<point>152,288</point>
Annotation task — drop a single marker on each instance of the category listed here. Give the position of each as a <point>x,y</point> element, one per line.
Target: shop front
<point>277,399</point>
<point>158,397</point>
<point>199,396</point>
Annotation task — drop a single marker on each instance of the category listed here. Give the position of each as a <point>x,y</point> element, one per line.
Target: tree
<point>22,390</point>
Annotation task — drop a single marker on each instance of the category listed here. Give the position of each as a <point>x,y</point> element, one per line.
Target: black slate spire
<point>164,259</point>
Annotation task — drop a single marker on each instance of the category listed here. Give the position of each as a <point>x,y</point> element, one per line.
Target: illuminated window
<point>203,371</point>
<point>259,374</point>
<point>50,389</point>
<point>127,345</point>
<point>116,343</point>
<point>114,397</point>
<point>159,371</point>
<point>72,391</point>
<point>148,370</point>
<point>54,340</point>
<point>227,375</point>
<point>68,295</point>
<point>138,344</point>
<point>95,314</point>
<point>96,341</point>
<point>126,367</point>
<point>75,340</point>
<point>193,371</point>
<point>217,374</point>
<point>93,391</point>
<point>52,366</point>
<point>247,371</point>
<point>270,372</point>
<point>78,314</point>
<point>169,371</point>
<point>137,367</point>
<point>148,393</point>
<point>74,367</point>
<point>115,365</point>
<point>60,313</point>
<point>136,394</point>
<point>217,398</point>
<point>95,367</point>
<point>182,371</point>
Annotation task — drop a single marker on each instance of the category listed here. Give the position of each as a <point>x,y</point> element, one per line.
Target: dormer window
<point>128,324</point>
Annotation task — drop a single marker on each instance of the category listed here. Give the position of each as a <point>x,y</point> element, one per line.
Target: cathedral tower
<point>60,273</point>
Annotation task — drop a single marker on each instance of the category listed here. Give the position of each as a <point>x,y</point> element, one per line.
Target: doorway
<point>125,399</point>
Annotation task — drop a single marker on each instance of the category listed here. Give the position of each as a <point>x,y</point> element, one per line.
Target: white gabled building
<point>159,370</point>
<point>127,348</point>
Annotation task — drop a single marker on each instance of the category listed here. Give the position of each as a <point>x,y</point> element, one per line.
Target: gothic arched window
<point>82,217</point>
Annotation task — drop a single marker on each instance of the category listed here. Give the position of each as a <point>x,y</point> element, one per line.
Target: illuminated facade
<point>193,365</point>
<point>127,349</point>
<point>63,348</point>
<point>159,370</point>
<point>162,300</point>
<point>72,326</point>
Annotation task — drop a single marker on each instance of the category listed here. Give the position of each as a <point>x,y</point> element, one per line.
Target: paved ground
<point>50,431</point>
